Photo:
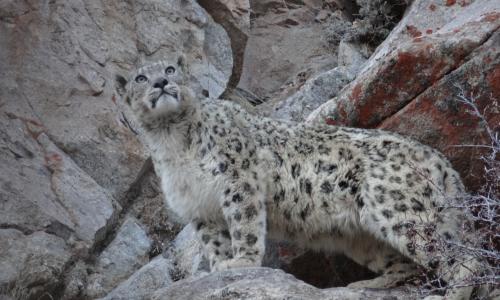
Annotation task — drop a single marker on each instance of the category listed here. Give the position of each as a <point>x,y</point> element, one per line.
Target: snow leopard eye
<point>170,70</point>
<point>141,79</point>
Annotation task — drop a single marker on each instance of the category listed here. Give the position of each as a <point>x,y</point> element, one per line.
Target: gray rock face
<point>351,55</point>
<point>313,93</point>
<point>285,46</point>
<point>127,252</point>
<point>153,276</point>
<point>71,167</point>
<point>32,261</point>
<point>187,253</point>
<point>263,283</point>
<point>323,86</point>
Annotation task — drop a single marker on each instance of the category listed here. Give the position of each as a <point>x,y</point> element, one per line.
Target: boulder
<point>440,118</point>
<point>51,209</point>
<point>63,57</point>
<point>435,48</point>
<point>32,263</point>
<point>264,283</point>
<point>126,253</point>
<point>151,277</point>
<point>234,16</point>
<point>186,251</point>
<point>316,91</point>
<point>285,46</point>
<point>72,165</point>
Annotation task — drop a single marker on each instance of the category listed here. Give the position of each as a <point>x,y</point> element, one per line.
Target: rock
<point>57,209</point>
<point>68,62</point>
<point>263,283</point>
<point>152,276</point>
<point>436,117</point>
<point>410,68</point>
<point>87,206</point>
<point>71,165</point>
<point>351,55</point>
<point>77,192</point>
<point>187,253</point>
<point>285,44</point>
<point>126,253</point>
<point>63,197</point>
<point>234,16</point>
<point>415,61</point>
<point>312,94</point>
<point>31,263</point>
<point>75,282</point>
<point>150,209</point>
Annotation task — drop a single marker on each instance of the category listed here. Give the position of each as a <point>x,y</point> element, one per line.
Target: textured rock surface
<point>32,261</point>
<point>434,48</point>
<point>437,118</point>
<point>186,251</point>
<point>152,276</point>
<point>72,170</point>
<point>312,94</point>
<point>127,252</point>
<point>262,283</point>
<point>285,46</point>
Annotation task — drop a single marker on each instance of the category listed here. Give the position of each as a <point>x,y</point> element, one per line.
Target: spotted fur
<point>241,179</point>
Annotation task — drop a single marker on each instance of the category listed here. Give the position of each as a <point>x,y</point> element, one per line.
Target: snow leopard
<point>240,178</point>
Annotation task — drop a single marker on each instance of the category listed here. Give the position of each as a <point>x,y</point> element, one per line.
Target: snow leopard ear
<point>120,83</point>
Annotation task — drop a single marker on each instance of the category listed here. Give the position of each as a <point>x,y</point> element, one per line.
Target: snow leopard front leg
<point>216,242</point>
<point>245,213</point>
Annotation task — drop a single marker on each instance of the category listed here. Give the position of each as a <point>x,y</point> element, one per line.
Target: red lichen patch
<point>330,121</point>
<point>413,31</point>
<point>53,161</point>
<point>487,59</point>
<point>356,92</point>
<point>437,69</point>
<point>24,119</point>
<point>342,115</point>
<point>428,31</point>
<point>432,7</point>
<point>424,120</point>
<point>417,40</point>
<point>494,81</point>
<point>392,86</point>
<point>465,3</point>
<point>406,63</point>
<point>33,127</point>
<point>450,2</point>
<point>113,99</point>
<point>400,77</point>
<point>491,17</point>
<point>437,119</point>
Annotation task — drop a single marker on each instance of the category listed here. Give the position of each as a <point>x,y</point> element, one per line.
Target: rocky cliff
<point>81,213</point>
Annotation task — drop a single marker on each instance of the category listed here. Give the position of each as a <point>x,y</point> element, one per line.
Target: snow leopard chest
<point>189,191</point>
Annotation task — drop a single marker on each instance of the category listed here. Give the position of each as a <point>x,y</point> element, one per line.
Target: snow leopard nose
<point>160,83</point>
